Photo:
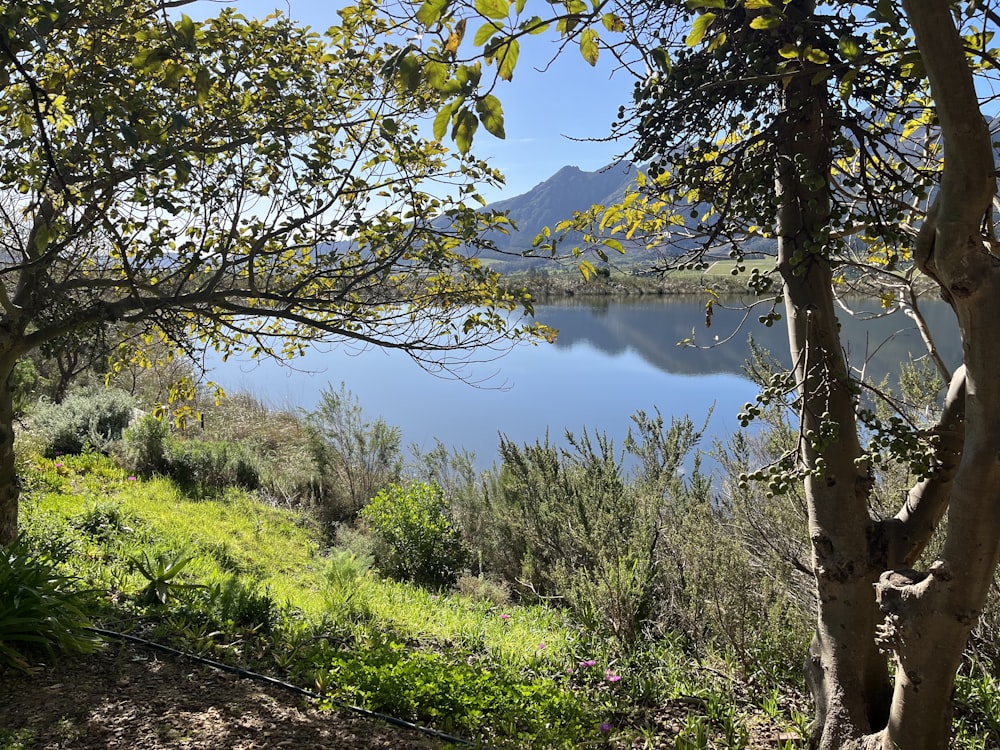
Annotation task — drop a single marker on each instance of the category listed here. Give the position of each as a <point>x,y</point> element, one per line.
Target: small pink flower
<point>504,616</point>
<point>611,676</point>
<point>58,466</point>
<point>541,646</point>
<point>588,663</point>
<point>131,479</point>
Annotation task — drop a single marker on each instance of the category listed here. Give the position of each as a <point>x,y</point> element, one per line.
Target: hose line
<point>395,721</point>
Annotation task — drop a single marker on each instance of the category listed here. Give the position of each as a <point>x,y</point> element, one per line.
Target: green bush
<point>203,465</point>
<point>90,417</point>
<point>144,446</point>
<point>40,610</point>
<point>415,537</point>
<point>573,524</point>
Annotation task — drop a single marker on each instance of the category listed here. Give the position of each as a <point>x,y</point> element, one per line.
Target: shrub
<point>415,537</point>
<point>39,609</point>
<point>356,458</point>
<point>144,446</point>
<point>203,465</point>
<point>570,524</point>
<point>91,417</point>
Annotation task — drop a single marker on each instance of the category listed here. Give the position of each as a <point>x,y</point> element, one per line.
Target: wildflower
<point>588,663</point>
<point>504,616</point>
<point>541,646</point>
<point>131,479</point>
<point>611,676</point>
<point>605,727</point>
<point>58,465</point>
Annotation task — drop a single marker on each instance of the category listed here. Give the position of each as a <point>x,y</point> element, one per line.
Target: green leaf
<point>491,115</point>
<point>508,59</point>
<point>464,129</point>
<point>410,72</point>
<point>534,25</point>
<point>849,48</point>
<point>698,4</point>
<point>185,29</point>
<point>484,33</point>
<point>588,46</point>
<point>662,58</point>
<point>202,85</point>
<point>758,4</point>
<point>766,22</point>
<point>431,11</point>
<point>789,52</point>
<point>699,29</point>
<point>436,74</point>
<point>497,9</point>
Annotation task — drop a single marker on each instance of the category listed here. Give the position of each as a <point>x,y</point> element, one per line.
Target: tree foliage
<point>229,183</point>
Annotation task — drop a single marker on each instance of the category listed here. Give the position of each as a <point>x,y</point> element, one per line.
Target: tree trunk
<point>9,485</point>
<point>847,674</point>
<point>928,617</point>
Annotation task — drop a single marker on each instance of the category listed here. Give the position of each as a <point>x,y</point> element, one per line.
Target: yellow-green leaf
<point>493,8</point>
<point>612,22</point>
<point>698,4</point>
<point>698,30</point>
<point>202,85</point>
<point>757,4</point>
<point>766,22</point>
<point>507,59</point>
<point>817,56</point>
<point>588,46</point>
<point>431,11</point>
<point>491,115</point>
<point>789,52</point>
<point>849,48</point>
<point>484,33</point>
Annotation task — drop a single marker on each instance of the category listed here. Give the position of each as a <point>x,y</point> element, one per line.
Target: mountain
<point>549,202</point>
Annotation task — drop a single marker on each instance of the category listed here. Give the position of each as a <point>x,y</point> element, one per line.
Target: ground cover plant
<point>598,645</point>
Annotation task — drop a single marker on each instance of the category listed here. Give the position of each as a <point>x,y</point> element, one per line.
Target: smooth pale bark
<point>845,671</point>
<point>928,617</point>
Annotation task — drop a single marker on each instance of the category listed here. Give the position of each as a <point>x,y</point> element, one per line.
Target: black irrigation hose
<point>285,685</point>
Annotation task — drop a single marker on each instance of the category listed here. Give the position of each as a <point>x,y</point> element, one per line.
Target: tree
<point>851,135</point>
<point>228,183</point>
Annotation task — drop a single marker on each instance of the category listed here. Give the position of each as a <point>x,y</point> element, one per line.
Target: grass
<point>502,672</point>
<point>260,587</point>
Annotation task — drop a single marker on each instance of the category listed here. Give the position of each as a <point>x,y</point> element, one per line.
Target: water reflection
<point>610,360</point>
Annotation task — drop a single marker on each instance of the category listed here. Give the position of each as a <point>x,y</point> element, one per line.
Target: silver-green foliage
<point>89,417</point>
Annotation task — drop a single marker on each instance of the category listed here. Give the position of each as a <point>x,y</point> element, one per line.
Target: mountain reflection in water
<point>611,359</point>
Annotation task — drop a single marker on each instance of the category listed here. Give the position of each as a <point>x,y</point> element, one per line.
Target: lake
<point>612,358</point>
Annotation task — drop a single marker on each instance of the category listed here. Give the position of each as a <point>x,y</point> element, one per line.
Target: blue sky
<point>540,108</point>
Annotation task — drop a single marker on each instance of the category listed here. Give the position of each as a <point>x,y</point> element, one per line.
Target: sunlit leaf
<point>431,11</point>
<point>818,56</point>
<point>493,8</point>
<point>765,22</point>
<point>699,29</point>
<point>484,33</point>
<point>588,46</point>
<point>613,22</point>
<point>508,59</point>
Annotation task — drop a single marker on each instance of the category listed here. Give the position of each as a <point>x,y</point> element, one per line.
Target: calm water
<point>609,361</point>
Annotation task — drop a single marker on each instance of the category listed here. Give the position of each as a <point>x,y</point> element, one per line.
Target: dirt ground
<point>126,697</point>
